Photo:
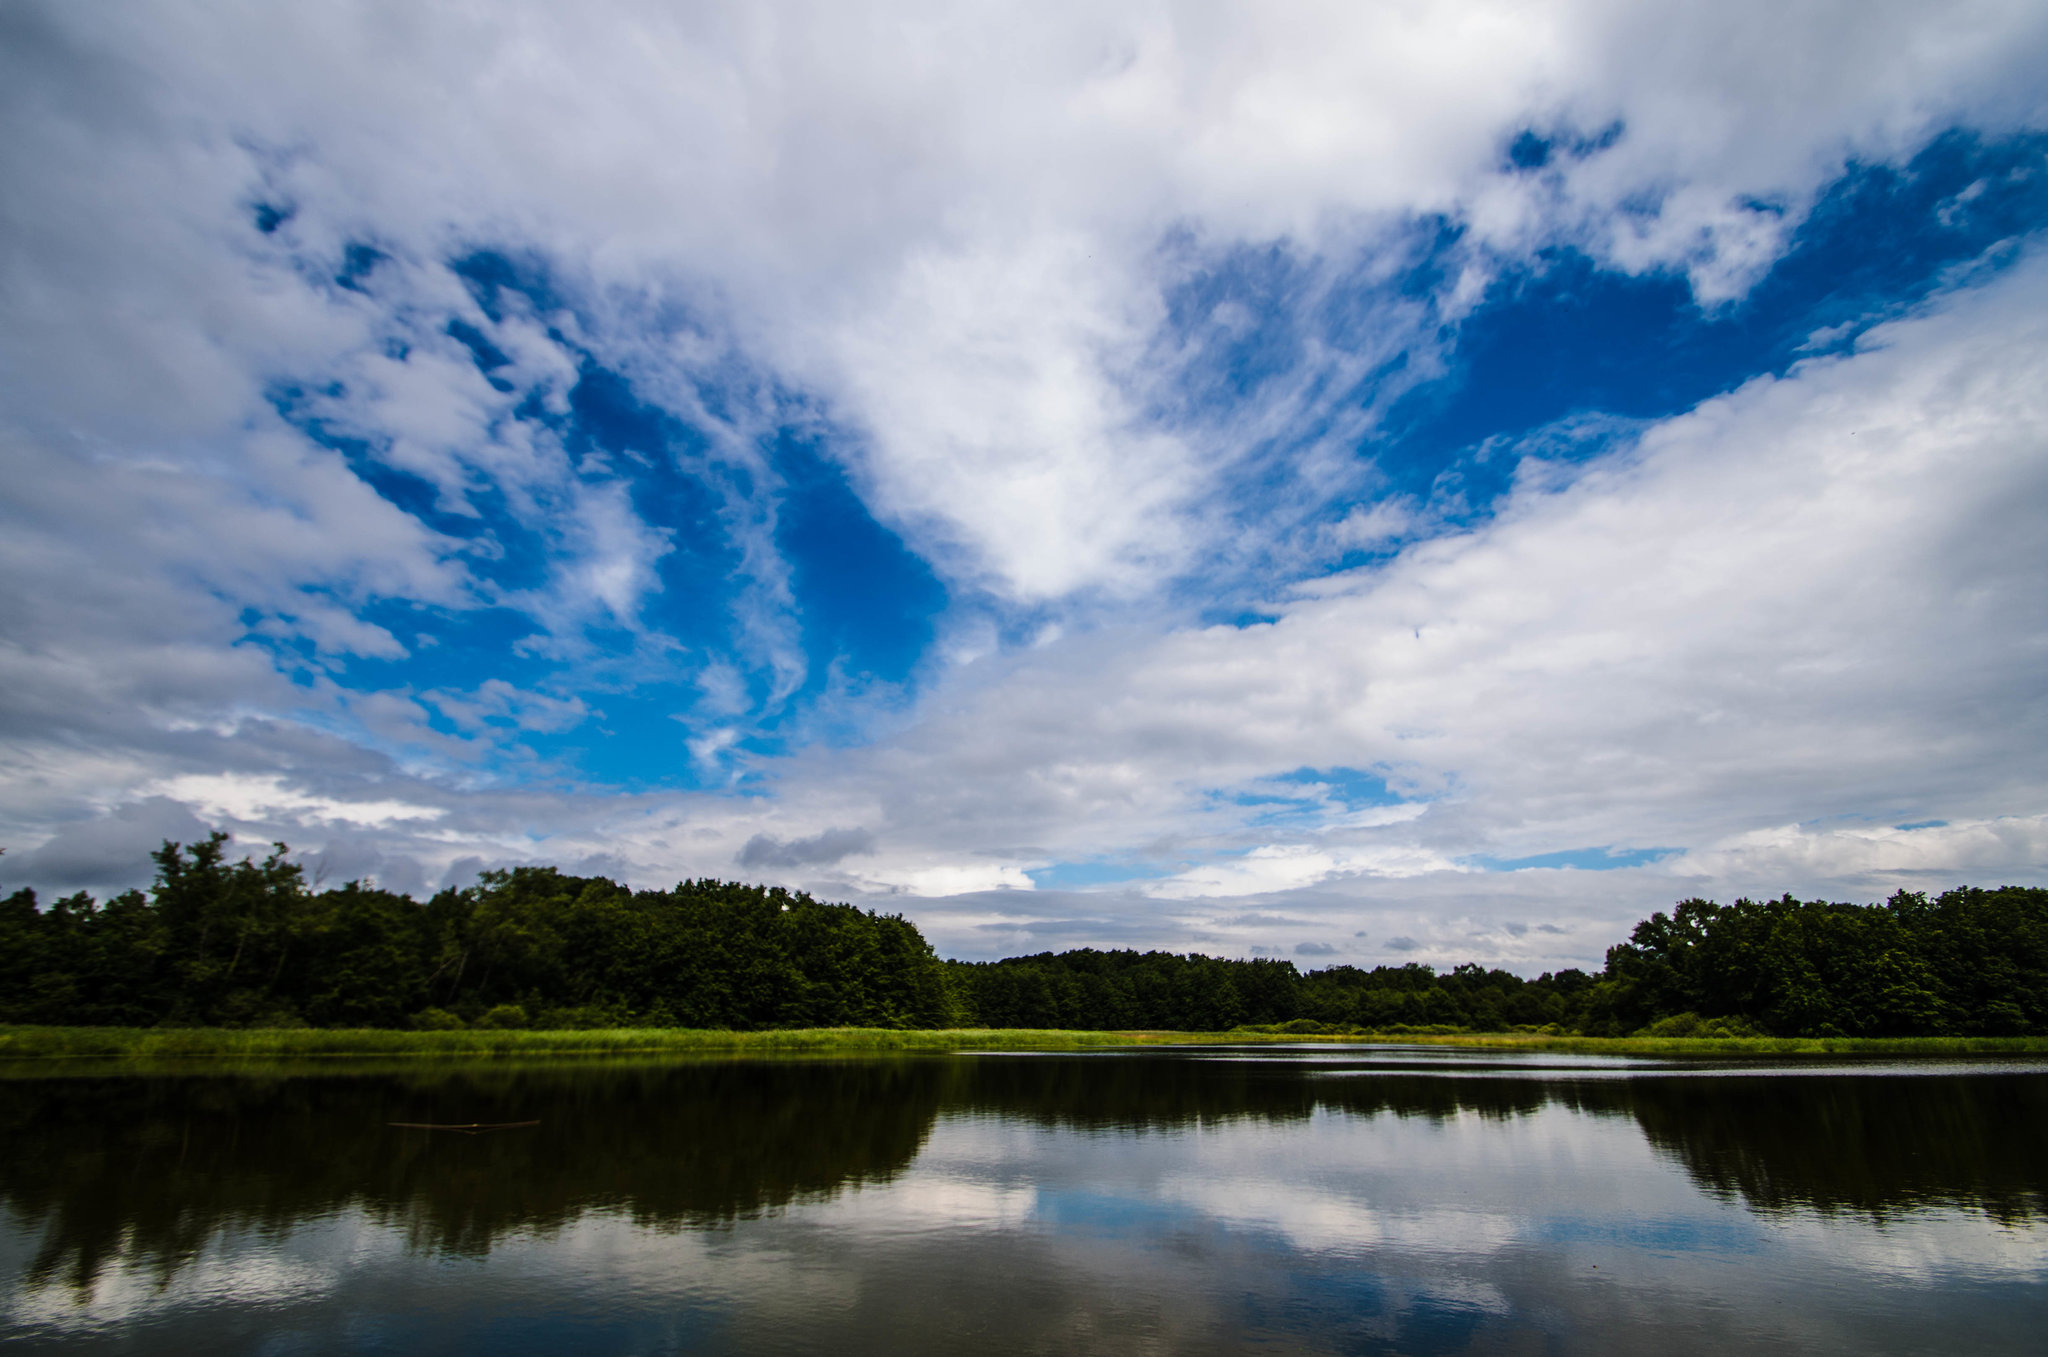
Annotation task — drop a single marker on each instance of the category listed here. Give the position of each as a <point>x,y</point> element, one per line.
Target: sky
<point>1363,484</point>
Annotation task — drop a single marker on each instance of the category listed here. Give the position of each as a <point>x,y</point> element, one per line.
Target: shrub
<point>1693,1025</point>
<point>436,1020</point>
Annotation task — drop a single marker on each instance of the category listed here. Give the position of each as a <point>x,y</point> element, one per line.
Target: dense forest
<point>247,943</point>
<point>1967,963</point>
<point>216,942</point>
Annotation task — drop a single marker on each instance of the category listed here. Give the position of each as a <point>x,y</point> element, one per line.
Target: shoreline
<point>27,1047</point>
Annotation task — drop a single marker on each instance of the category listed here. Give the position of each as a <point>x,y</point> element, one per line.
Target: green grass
<point>43,1043</point>
<point>22,1044</point>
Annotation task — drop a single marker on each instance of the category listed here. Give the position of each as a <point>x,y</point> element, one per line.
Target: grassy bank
<point>177,1043</point>
<point>185,1043</point>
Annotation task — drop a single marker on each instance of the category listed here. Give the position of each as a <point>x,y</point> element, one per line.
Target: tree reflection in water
<point>153,1167</point>
<point>148,1168</point>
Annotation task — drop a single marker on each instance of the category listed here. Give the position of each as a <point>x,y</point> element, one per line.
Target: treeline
<point>1091,990</point>
<point>248,943</point>
<point>1969,962</point>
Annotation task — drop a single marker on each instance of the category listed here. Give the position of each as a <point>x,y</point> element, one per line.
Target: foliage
<point>21,1048</point>
<point>1091,990</point>
<point>248,945</point>
<point>1968,963</point>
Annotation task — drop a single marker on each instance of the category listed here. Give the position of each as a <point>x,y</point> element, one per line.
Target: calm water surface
<point>1187,1201</point>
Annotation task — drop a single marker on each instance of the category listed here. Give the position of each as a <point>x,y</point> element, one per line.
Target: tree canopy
<point>248,943</point>
<point>220,942</point>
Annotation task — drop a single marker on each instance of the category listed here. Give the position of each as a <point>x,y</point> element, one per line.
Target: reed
<point>216,1043</point>
<point>37,1043</point>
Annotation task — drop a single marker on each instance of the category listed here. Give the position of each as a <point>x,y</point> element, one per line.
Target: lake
<point>1341,1199</point>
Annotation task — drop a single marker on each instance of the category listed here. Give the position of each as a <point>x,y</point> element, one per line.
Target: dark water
<point>1326,1200</point>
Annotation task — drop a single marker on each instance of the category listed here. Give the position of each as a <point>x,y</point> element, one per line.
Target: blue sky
<point>1342,484</point>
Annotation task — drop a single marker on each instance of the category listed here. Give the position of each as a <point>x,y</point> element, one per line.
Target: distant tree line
<point>1969,962</point>
<point>216,942</point>
<point>1088,989</point>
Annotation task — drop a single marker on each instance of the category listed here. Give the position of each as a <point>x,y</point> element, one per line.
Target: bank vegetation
<point>534,958</point>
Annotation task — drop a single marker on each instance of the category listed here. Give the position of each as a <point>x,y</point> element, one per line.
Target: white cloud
<point>1807,598</point>
<point>229,796</point>
<point>946,220</point>
<point>2014,844</point>
<point>952,231</point>
<point>1273,868</point>
<point>944,878</point>
<point>990,382</point>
